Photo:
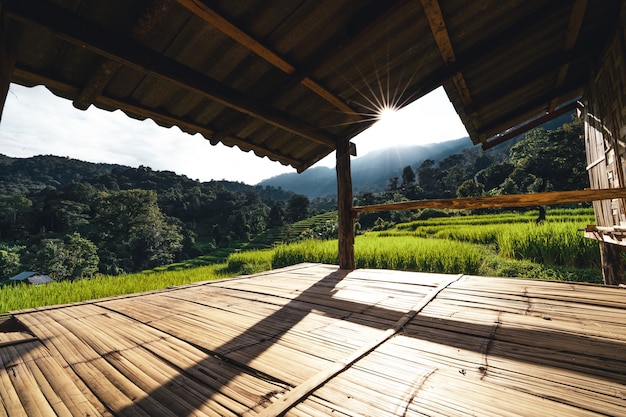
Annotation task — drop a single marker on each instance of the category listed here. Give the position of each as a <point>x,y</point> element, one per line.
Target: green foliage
<point>543,160</point>
<point>297,208</point>
<point>408,176</point>
<point>470,188</point>
<point>550,159</point>
<point>72,258</point>
<point>495,265</point>
<point>133,231</point>
<point>413,254</point>
<point>9,261</point>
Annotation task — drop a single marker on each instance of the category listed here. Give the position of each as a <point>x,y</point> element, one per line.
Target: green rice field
<point>508,244</point>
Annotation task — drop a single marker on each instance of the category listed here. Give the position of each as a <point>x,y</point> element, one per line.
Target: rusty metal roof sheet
<point>287,79</point>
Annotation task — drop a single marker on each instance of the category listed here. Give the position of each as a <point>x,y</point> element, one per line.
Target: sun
<point>386,112</point>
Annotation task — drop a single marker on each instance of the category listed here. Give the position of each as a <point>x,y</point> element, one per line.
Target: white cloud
<point>35,122</point>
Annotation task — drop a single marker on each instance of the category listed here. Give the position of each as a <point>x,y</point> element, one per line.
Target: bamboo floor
<point>312,340</point>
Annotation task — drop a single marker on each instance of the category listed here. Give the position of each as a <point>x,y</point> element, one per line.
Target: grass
<point>21,296</point>
<point>508,244</point>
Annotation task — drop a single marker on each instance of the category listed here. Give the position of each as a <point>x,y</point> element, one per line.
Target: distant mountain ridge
<point>370,172</point>
<point>26,176</point>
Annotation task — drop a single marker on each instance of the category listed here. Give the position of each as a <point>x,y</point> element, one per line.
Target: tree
<point>470,188</point>
<point>48,256</point>
<point>134,233</point>
<point>392,184</point>
<point>73,257</point>
<point>493,176</point>
<point>276,216</point>
<point>297,208</point>
<point>82,257</point>
<point>428,181</point>
<point>408,176</point>
<point>551,160</point>
<point>12,208</point>
<point>9,262</point>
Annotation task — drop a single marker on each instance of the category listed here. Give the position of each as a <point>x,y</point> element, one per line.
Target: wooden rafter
<point>7,64</point>
<point>573,29</point>
<point>442,39</point>
<point>538,70</point>
<point>219,22</point>
<point>107,69</point>
<point>530,125</point>
<point>96,84</point>
<point>71,29</point>
<point>30,77</point>
<point>574,90</point>
<point>333,47</point>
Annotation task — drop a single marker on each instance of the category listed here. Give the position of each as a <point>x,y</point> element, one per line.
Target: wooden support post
<point>7,65</point>
<point>344,205</point>
<point>612,264</point>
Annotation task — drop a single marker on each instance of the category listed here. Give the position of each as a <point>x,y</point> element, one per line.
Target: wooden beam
<point>500,201</point>
<point>503,122</point>
<point>107,69</point>
<point>442,39</point>
<point>526,77</point>
<point>481,51</point>
<point>7,64</point>
<point>612,264</point>
<point>219,22</point>
<point>70,28</point>
<point>573,29</point>
<point>530,125</point>
<point>96,84</point>
<point>344,206</point>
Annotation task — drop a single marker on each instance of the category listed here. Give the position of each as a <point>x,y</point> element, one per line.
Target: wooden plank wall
<point>605,129</point>
<point>605,141</point>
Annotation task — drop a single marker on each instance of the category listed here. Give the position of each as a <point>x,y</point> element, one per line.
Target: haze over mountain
<point>370,172</point>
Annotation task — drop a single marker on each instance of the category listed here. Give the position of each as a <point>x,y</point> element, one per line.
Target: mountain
<point>370,172</point>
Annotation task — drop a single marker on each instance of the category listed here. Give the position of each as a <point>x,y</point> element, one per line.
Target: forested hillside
<point>125,220</point>
<point>370,172</point>
<point>26,176</point>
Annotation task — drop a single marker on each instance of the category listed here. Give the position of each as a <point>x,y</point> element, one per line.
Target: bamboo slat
<point>324,375</point>
<point>484,346</point>
<point>219,375</point>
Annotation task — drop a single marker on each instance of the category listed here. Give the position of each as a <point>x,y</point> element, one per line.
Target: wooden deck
<point>312,340</point>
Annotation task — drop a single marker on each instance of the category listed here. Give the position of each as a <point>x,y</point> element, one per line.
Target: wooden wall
<point>605,131</point>
<point>605,142</point>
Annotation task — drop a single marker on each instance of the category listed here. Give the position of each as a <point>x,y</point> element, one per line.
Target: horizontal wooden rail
<point>512,200</point>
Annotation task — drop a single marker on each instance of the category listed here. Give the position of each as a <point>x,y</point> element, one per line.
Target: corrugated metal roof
<point>23,275</point>
<point>32,278</point>
<point>287,79</point>
<point>312,340</point>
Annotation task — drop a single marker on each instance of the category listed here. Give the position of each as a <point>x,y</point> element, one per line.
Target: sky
<point>35,122</point>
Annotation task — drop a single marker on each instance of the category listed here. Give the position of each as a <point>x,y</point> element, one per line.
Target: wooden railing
<point>500,201</point>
